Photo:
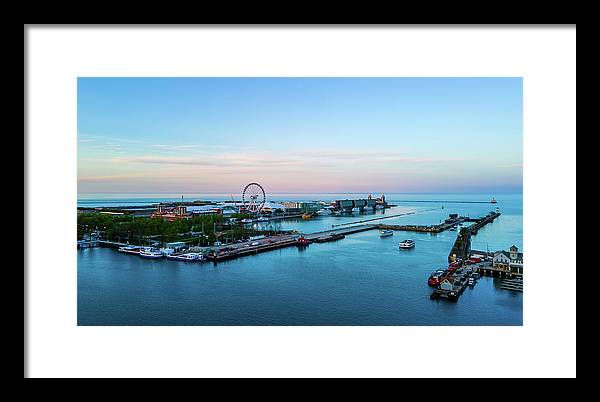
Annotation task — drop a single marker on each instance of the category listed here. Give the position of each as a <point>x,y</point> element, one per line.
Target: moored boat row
<point>154,253</point>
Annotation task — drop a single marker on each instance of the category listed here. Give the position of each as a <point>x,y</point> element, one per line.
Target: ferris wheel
<point>253,197</point>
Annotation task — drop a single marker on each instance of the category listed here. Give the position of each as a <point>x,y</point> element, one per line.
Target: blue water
<point>360,280</point>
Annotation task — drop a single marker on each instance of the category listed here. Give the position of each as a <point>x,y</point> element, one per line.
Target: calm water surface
<point>360,280</point>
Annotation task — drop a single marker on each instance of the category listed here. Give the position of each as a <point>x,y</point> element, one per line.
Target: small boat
<point>456,264</point>
<point>302,241</point>
<point>130,249</point>
<point>452,229</point>
<point>325,211</point>
<point>185,257</point>
<point>151,253</point>
<point>262,219</point>
<point>471,281</point>
<point>167,251</point>
<point>493,201</point>
<point>436,277</point>
<point>408,243</point>
<point>474,260</point>
<point>247,220</point>
<point>386,233</point>
<point>307,216</point>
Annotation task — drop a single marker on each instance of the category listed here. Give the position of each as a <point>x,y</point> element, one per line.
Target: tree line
<point>198,230</point>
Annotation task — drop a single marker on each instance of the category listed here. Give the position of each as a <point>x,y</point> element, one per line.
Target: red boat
<point>473,260</point>
<point>435,278</point>
<point>433,281</point>
<point>302,241</point>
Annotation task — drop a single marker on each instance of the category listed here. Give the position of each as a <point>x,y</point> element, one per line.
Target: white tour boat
<point>167,251</point>
<point>186,257</point>
<point>130,249</point>
<point>407,243</point>
<point>247,220</point>
<point>150,252</point>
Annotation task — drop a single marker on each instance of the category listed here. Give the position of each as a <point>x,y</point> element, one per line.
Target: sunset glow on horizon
<point>295,135</point>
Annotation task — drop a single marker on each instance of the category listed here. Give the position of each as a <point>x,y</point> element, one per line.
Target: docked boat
<point>473,260</point>
<point>325,211</point>
<point>436,277</point>
<point>247,220</point>
<point>167,251</point>
<point>493,201</point>
<point>302,241</point>
<point>471,281</point>
<point>151,253</point>
<point>386,233</point>
<point>408,243</point>
<point>185,257</point>
<point>307,216</point>
<point>130,249</point>
<point>262,219</point>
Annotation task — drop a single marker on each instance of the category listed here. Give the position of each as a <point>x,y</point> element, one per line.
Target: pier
<point>462,245</point>
<point>340,231</point>
<point>449,224</point>
<point>385,217</point>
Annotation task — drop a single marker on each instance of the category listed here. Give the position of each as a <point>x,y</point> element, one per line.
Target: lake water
<point>360,280</point>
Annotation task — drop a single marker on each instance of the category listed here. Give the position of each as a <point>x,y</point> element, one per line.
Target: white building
<point>509,260</point>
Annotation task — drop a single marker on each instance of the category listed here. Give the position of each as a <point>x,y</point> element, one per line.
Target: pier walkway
<point>462,245</point>
<point>340,231</point>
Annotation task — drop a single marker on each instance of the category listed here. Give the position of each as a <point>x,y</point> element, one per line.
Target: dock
<point>462,244</point>
<point>225,254</point>
<point>112,244</point>
<point>461,282</point>
<point>282,217</point>
<point>514,284</point>
<point>277,242</point>
<point>384,217</point>
<point>341,231</point>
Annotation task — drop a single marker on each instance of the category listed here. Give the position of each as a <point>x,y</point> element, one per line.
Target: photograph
<point>299,201</point>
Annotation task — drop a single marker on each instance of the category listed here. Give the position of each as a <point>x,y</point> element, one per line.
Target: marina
<point>343,237</point>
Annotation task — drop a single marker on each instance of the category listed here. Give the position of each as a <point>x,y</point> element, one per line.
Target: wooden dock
<point>515,284</point>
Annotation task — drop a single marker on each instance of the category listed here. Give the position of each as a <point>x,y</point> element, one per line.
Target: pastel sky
<point>294,135</point>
